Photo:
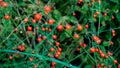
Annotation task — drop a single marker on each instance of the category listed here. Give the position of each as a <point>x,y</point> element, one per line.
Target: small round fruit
<point>102,55</point>
<point>39,39</point>
<point>92,50</point>
<point>52,49</point>
<point>33,21</point>
<point>115,61</point>
<point>4,4</point>
<point>76,36</point>
<point>79,28</point>
<point>26,20</point>
<point>68,26</point>
<point>60,27</point>
<point>47,9</point>
<point>7,17</point>
<point>54,37</point>
<point>87,26</point>
<point>10,57</point>
<point>59,49</point>
<point>53,63</point>
<point>57,43</point>
<point>37,16</point>
<point>50,21</point>
<point>29,28</point>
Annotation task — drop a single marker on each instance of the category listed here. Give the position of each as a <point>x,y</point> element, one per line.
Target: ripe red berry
<point>76,36</point>
<point>59,49</point>
<point>33,21</point>
<point>50,21</point>
<point>54,37</point>
<point>52,49</point>
<point>57,55</point>
<point>68,26</point>
<point>37,16</point>
<point>57,43</point>
<point>53,63</point>
<point>115,61</point>
<point>26,20</point>
<point>60,27</point>
<point>21,47</point>
<point>10,57</point>
<point>47,9</point>
<point>79,28</point>
<point>105,14</point>
<point>39,39</point>
<point>31,58</point>
<point>102,55</point>
<point>92,50</point>
<point>4,4</point>
<point>87,26</point>
<point>29,28</point>
<point>7,17</point>
<point>95,38</point>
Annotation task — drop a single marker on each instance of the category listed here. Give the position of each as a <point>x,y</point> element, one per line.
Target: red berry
<point>52,49</point>
<point>51,21</point>
<point>31,59</point>
<point>87,26</point>
<point>4,4</point>
<point>47,9</point>
<point>59,49</point>
<point>60,27</point>
<point>76,36</point>
<point>29,28</point>
<point>54,37</point>
<point>92,50</point>
<point>115,61</point>
<point>68,26</point>
<point>79,28</point>
<point>37,16</point>
<point>10,57</point>
<point>26,20</point>
<point>7,17</point>
<point>53,63</point>
<point>33,21</point>
<point>102,55</point>
<point>39,39</point>
<point>57,43</point>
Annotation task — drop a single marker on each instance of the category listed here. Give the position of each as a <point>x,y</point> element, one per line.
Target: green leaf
<point>88,66</point>
<point>62,36</point>
<point>118,17</point>
<point>115,1</point>
<point>106,43</point>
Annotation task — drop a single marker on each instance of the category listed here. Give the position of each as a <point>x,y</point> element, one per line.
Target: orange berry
<point>115,61</point>
<point>39,39</point>
<point>79,28</point>
<point>26,20</point>
<point>31,59</point>
<point>60,27</point>
<point>57,43</point>
<point>7,17</point>
<point>33,21</point>
<point>76,36</point>
<point>10,57</point>
<point>87,26</point>
<point>59,49</point>
<point>68,26</point>
<point>52,49</point>
<point>37,16</point>
<point>54,37</point>
<point>92,50</point>
<point>4,4</point>
<point>50,21</point>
